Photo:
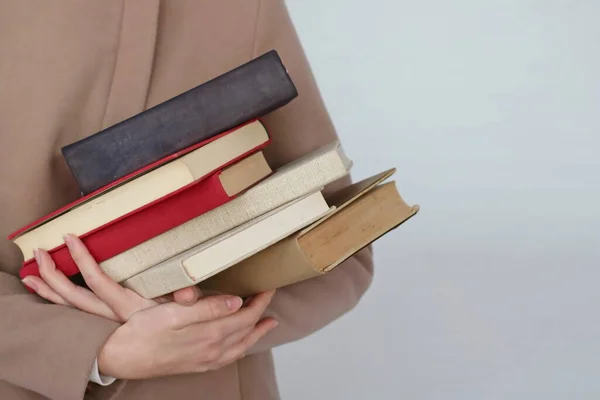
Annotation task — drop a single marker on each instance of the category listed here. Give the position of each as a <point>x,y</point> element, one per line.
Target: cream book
<point>292,181</point>
<point>208,259</point>
<point>142,190</point>
<point>363,213</point>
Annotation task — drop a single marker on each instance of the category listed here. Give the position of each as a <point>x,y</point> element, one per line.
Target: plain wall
<point>490,111</point>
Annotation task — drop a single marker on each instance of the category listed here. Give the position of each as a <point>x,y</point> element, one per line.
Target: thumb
<point>187,296</point>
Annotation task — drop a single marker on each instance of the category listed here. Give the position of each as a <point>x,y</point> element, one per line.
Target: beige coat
<point>70,68</point>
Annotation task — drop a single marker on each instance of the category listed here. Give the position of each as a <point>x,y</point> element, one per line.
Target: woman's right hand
<point>173,339</point>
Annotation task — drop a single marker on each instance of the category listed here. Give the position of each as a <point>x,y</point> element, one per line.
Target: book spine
<point>248,92</point>
<point>156,282</point>
<point>280,188</point>
<point>135,228</point>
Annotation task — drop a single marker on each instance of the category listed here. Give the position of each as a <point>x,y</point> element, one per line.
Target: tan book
<point>214,256</point>
<point>363,212</point>
<point>142,190</point>
<point>292,181</point>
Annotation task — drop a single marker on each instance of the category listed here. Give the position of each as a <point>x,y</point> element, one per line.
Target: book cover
<point>291,181</point>
<point>247,92</point>
<point>363,212</point>
<point>208,259</point>
<point>155,218</point>
<point>137,174</point>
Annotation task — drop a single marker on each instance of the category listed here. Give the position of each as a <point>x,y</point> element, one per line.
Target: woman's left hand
<point>55,287</point>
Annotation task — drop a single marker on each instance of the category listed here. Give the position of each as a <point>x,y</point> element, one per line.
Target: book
<point>294,180</point>
<point>86,215</point>
<point>247,92</point>
<point>363,213</point>
<point>152,219</point>
<point>218,254</point>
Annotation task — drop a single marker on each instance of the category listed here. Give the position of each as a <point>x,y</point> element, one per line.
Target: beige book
<point>244,173</point>
<point>142,190</point>
<point>292,181</point>
<point>363,213</point>
<point>222,252</point>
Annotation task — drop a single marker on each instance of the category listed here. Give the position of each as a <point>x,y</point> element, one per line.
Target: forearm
<point>306,307</point>
<point>47,348</point>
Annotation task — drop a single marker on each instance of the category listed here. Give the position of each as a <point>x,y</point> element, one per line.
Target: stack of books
<point>181,194</point>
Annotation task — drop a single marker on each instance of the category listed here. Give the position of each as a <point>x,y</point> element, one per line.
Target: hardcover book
<point>294,180</point>
<point>247,92</point>
<point>220,253</point>
<point>363,213</point>
<point>89,213</point>
<point>174,209</point>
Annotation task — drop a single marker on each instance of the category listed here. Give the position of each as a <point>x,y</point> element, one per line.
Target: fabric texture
<point>69,69</point>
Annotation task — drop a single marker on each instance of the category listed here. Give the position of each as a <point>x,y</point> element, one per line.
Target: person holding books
<point>70,69</point>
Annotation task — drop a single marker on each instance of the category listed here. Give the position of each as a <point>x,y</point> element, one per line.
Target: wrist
<point>124,358</point>
<point>108,358</point>
<point>97,377</point>
<point>103,361</point>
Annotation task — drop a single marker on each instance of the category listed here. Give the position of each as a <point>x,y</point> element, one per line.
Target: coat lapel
<point>133,66</point>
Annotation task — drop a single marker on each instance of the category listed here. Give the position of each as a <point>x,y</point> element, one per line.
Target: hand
<point>159,337</point>
<point>173,339</point>
<point>55,287</point>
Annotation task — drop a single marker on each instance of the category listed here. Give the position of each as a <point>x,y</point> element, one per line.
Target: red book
<point>163,214</point>
<point>129,177</point>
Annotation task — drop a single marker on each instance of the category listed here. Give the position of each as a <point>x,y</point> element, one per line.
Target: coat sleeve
<point>298,128</point>
<point>52,90</point>
<point>46,348</point>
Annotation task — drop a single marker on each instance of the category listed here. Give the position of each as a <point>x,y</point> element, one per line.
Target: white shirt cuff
<point>97,377</point>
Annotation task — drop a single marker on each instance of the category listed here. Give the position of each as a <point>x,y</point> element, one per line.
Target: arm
<point>306,307</point>
<point>47,348</point>
<point>298,128</point>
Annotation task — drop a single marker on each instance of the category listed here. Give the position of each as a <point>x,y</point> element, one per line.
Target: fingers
<point>65,291</point>
<point>257,303</point>
<point>240,349</point>
<point>262,328</point>
<point>164,299</point>
<point>247,317</point>
<point>260,299</point>
<point>107,298</point>
<point>43,290</point>
<point>204,310</point>
<point>237,337</point>
<point>109,291</point>
<point>187,296</point>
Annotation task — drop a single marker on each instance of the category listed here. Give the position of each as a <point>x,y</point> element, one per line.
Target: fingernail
<point>275,324</point>
<point>41,264</point>
<point>233,302</point>
<point>68,240</point>
<point>29,283</point>
<point>36,254</point>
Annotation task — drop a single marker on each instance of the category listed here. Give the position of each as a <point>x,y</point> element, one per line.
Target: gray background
<point>490,111</point>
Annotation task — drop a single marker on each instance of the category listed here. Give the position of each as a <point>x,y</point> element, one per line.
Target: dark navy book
<point>247,92</point>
